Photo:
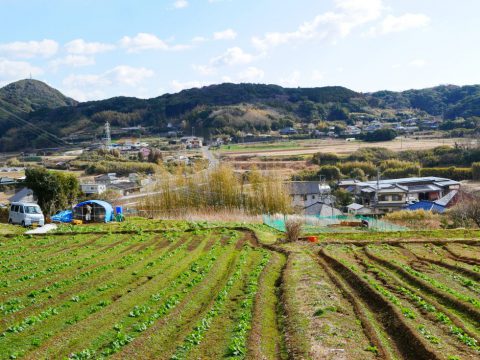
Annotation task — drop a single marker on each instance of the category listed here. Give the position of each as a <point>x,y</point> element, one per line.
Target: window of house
<point>396,197</point>
<point>382,198</point>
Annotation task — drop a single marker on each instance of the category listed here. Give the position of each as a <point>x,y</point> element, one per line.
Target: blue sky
<point>98,49</point>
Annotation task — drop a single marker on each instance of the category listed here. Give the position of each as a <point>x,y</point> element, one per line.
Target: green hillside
<point>217,109</point>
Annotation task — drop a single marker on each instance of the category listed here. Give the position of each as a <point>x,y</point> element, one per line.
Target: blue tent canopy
<point>101,211</point>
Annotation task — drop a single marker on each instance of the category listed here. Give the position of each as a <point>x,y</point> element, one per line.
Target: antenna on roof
<point>30,75</point>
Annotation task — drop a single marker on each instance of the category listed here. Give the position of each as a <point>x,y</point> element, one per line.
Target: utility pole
<point>376,191</point>
<point>108,136</point>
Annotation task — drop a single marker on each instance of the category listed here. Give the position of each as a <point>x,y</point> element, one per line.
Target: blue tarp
<point>427,206</point>
<point>65,216</point>
<point>109,214</point>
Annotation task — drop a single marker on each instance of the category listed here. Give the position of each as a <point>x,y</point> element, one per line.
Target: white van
<point>25,214</point>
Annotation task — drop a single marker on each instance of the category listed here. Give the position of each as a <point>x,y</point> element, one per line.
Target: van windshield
<point>32,210</point>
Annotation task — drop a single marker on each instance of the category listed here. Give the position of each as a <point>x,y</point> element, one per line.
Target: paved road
<point>212,160</point>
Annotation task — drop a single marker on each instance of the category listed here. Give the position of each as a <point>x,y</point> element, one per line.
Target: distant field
<point>332,146</point>
<point>151,289</point>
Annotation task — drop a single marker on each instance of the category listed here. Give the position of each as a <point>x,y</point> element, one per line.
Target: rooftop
<point>307,187</point>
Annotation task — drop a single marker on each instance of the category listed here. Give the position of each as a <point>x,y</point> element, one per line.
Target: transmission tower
<point>108,136</point>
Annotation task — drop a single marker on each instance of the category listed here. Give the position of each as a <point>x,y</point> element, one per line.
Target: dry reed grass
<point>219,190</point>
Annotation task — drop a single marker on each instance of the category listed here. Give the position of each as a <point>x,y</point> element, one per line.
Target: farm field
<point>411,300</point>
<point>184,290</point>
<point>169,294</point>
<point>338,146</point>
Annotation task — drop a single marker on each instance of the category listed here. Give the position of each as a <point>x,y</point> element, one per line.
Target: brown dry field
<point>343,147</point>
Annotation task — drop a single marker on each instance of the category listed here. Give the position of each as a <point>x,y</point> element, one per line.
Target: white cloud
<point>348,15</point>
<point>392,24</point>
<point>180,4</point>
<point>179,86</point>
<point>29,49</point>
<point>81,47</point>
<point>417,63</point>
<point>204,69</point>
<point>73,60</point>
<point>233,56</point>
<point>13,70</point>
<point>251,74</point>
<point>317,75</point>
<point>81,95</point>
<point>292,80</point>
<point>227,34</point>
<point>128,75</point>
<point>119,75</point>
<point>145,41</point>
<point>199,39</point>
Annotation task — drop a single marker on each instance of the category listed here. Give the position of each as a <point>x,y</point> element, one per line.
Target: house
<point>124,188</point>
<point>357,209</point>
<point>321,209</point>
<point>394,194</point>
<point>437,206</point>
<point>24,195</point>
<point>352,130</point>
<point>192,142</point>
<point>306,193</point>
<point>106,178</point>
<point>93,188</point>
<point>7,181</point>
<point>288,131</point>
<point>145,152</point>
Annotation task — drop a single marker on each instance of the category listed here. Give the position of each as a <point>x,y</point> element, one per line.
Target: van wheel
<point>23,223</point>
<point>10,221</point>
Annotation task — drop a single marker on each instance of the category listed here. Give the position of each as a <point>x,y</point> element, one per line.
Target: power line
<point>53,138</point>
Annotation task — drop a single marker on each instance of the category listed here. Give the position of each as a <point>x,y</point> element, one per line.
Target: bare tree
<point>293,229</point>
<point>467,211</point>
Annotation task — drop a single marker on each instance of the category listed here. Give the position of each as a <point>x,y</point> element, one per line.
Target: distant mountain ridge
<point>224,108</point>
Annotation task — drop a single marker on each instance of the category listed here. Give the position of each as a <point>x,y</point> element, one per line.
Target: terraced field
<point>167,295</point>
<point>181,290</point>
<point>414,300</point>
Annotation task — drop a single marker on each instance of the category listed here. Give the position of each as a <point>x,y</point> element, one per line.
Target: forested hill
<point>225,108</point>
<point>30,95</point>
<point>448,100</point>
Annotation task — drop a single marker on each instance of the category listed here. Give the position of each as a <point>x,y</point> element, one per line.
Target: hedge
<point>452,172</point>
<point>476,171</point>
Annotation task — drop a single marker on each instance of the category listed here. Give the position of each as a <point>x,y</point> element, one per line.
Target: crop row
<point>92,293</point>
<point>196,272</point>
<point>199,331</point>
<point>238,343</point>
<point>424,305</point>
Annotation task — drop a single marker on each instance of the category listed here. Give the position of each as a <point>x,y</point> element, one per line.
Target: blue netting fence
<point>314,224</point>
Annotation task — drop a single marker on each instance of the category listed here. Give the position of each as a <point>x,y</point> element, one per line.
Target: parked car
<point>25,214</point>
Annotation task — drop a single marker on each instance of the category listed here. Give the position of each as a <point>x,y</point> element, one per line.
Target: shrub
<point>367,167</point>
<point>467,212</point>
<point>325,158</point>
<point>450,172</point>
<point>358,174</point>
<point>330,172</point>
<point>401,172</point>
<point>476,171</point>
<point>380,135</point>
<point>293,229</point>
